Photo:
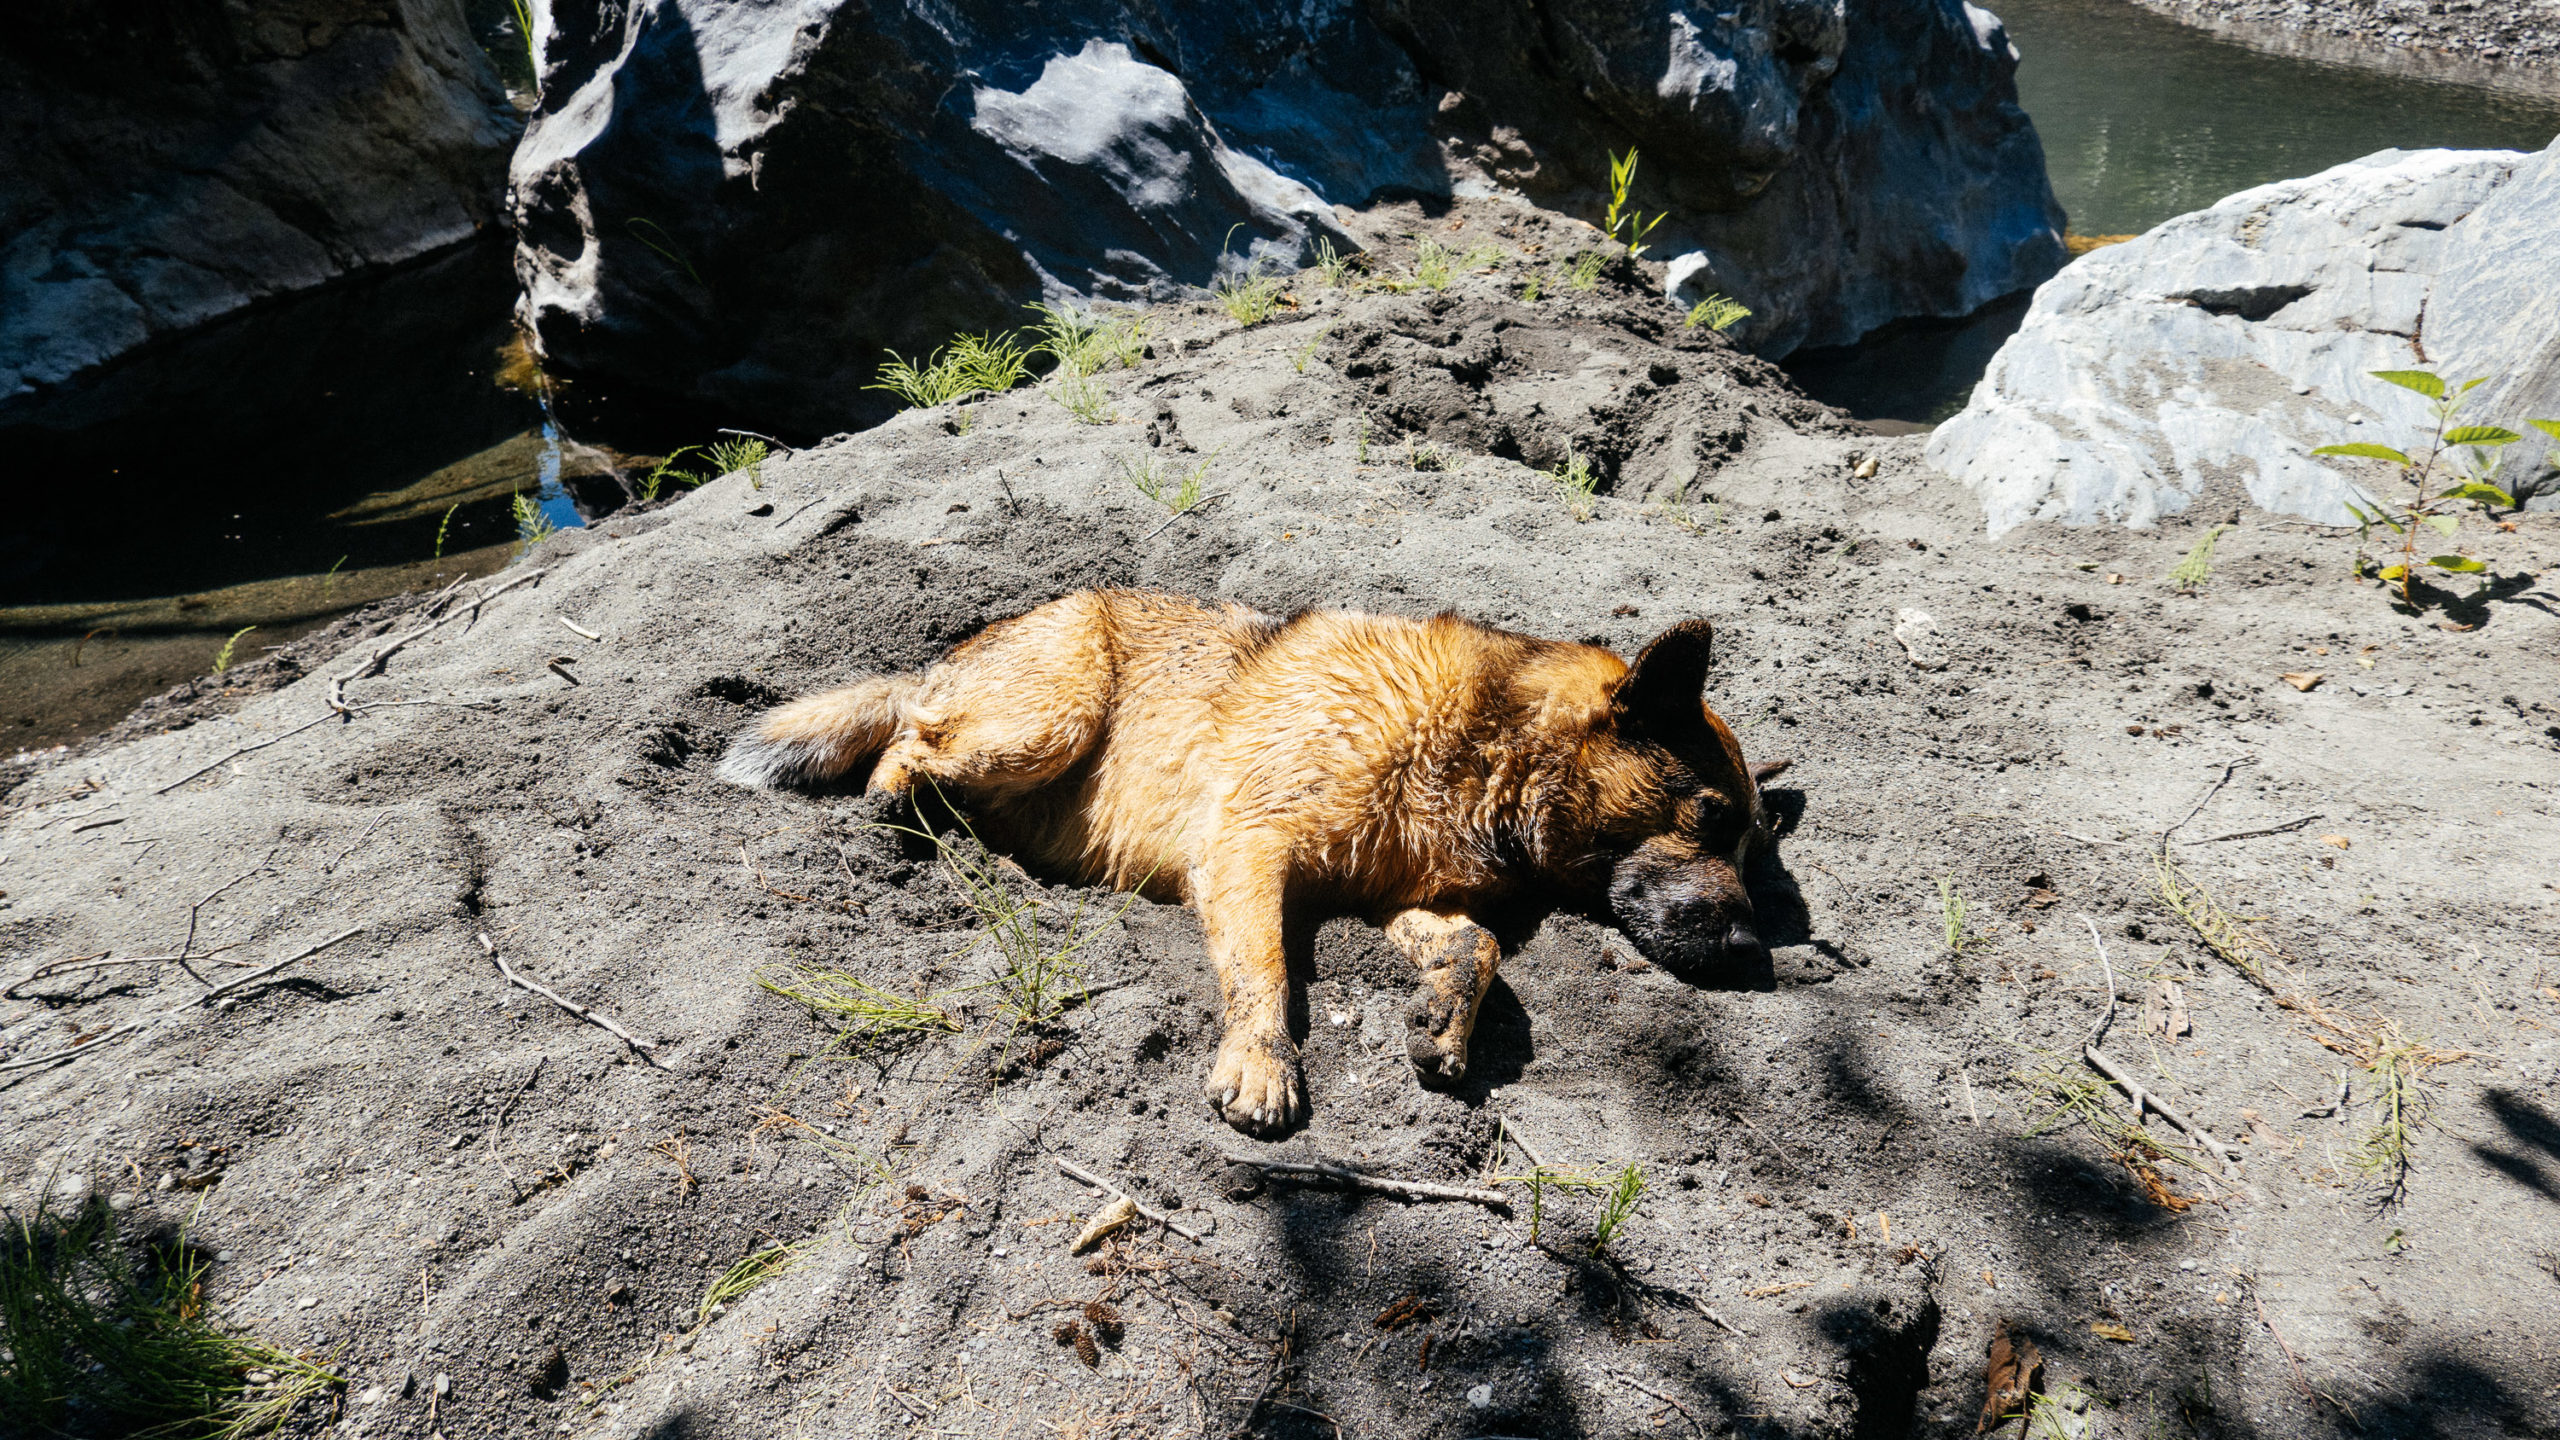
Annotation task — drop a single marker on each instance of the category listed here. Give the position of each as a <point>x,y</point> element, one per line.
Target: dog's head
<point>1677,889</point>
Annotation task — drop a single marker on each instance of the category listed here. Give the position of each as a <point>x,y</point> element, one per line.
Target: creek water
<point>309,457</point>
<point>2143,119</point>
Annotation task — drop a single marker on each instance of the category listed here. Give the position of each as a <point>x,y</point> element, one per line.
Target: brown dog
<point>1412,768</point>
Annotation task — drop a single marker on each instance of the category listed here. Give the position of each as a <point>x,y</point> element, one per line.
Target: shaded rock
<point>2224,346</point>
<point>710,203</point>
<point>168,164</point>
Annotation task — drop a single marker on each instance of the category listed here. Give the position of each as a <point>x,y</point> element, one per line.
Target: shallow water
<point>2144,119</point>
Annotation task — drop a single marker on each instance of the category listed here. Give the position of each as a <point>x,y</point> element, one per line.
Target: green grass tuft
<point>863,1010</point>
<point>746,453</point>
<point>222,657</point>
<point>1718,312</point>
<point>1577,483</point>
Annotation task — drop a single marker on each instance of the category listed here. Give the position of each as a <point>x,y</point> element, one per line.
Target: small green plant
<point>444,525</point>
<point>1585,273</point>
<point>222,657</point>
<point>1432,262</point>
<point>1576,482</point>
<point>991,361</point>
<point>1622,179</point>
<point>1617,1207</point>
<point>1175,490</point>
<point>1951,912</point>
<point>1307,351</point>
<point>1085,398</point>
<point>330,581</point>
<point>1249,299</point>
<point>533,524</point>
<point>668,469</point>
<point>2456,469</point>
<point>1079,343</point>
<point>736,1282</point>
<point>100,1337</point>
<point>1718,312</point>
<point>1424,456</point>
<point>1542,1178</point>
<point>1332,268</point>
<point>2192,573</point>
<point>2070,1095</point>
<point>937,380</point>
<point>2386,1152</point>
<point>2060,1411</point>
<point>1361,443</point>
<point>1529,288</point>
<point>641,227</point>
<point>532,52</point>
<point>859,1009</point>
<point>746,453</point>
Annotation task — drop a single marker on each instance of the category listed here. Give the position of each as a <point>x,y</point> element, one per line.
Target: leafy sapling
<point>2455,470</point>
<point>1622,179</point>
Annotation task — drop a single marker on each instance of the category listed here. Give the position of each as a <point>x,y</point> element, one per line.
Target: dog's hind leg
<point>1013,708</point>
<point>1457,958</point>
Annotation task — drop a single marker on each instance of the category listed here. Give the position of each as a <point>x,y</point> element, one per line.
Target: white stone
<point>2229,343</point>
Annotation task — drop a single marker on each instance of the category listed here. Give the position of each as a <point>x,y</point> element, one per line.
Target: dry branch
<point>2097,1058</point>
<point>596,1018</point>
<point>382,654</point>
<point>1410,1189</point>
<point>1078,1172</point>
<point>134,1027</point>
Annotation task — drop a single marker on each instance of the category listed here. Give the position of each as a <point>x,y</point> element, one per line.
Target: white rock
<point>2228,343</point>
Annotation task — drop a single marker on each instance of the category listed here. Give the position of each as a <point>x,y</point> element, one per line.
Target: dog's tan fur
<point>1415,769</point>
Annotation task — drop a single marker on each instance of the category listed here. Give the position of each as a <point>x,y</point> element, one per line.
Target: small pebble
<point>306,1302</point>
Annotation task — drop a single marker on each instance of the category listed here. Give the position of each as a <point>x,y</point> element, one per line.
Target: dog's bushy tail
<point>822,737</point>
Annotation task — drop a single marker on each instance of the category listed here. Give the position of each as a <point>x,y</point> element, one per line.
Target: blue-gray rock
<point>2223,347</point>
<point>748,202</point>
<point>167,164</point>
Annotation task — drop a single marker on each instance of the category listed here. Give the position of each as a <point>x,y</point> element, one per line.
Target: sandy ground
<point>502,1220</point>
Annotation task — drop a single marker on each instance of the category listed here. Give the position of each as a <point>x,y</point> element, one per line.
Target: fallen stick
<point>2109,1018</point>
<point>2286,828</point>
<point>1523,1142</point>
<point>99,824</point>
<point>1097,1182</point>
<point>2097,1058</point>
<point>1410,1189</point>
<point>595,1018</point>
<point>1780,1150</point>
<point>1626,1379</point>
<point>382,655</point>
<point>577,629</point>
<point>105,961</point>
<point>147,1022</point>
<point>1195,506</point>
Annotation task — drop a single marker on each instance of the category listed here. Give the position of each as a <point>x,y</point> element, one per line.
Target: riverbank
<point>2505,44</point>
<point>488,1212</point>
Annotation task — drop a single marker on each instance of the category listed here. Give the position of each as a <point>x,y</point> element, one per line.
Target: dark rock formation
<point>748,203</point>
<point>165,163</point>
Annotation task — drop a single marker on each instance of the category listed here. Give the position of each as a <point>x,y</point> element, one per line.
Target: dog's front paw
<point>1255,1085</point>
<point>1440,1020</point>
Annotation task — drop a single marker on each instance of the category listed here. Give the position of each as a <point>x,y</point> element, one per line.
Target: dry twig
<point>1623,1378</point>
<point>2141,1097</point>
<point>1410,1189</point>
<point>1078,1172</point>
<point>133,1027</point>
<point>596,1018</point>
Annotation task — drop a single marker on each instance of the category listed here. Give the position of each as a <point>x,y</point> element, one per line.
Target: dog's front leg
<point>1457,958</point>
<point>1255,1085</point>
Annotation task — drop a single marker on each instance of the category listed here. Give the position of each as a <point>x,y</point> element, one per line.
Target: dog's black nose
<point>1740,939</point>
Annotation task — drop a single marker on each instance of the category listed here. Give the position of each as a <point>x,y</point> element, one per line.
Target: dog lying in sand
<point>1416,770</point>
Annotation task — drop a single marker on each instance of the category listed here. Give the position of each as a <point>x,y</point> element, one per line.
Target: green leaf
<point>2474,383</point>
<point>2392,572</point>
<point>2460,564</point>
<point>2366,450</point>
<point>2480,435</point>
<point>2547,427</point>
<point>2422,381</point>
<point>2444,523</point>
<point>2475,490</point>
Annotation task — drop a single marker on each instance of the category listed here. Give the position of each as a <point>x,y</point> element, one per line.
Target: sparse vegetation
<point>1249,299</point>
<point>2074,1096</point>
<point>1577,483</point>
<point>740,1279</point>
<point>1529,288</point>
<point>2457,469</point>
<point>1177,490</point>
<point>862,1010</point>
<point>1718,312</point>
<point>1361,455</point>
<point>938,380</point>
<point>2396,1063</point>
<point>443,526</point>
<point>1585,272</point>
<point>1426,456</point>
<point>668,470</point>
<point>2192,573</point>
<point>533,524</point>
<point>1618,1207</point>
<point>1332,268</point>
<point>995,361</point>
<point>1085,398</point>
<point>1307,351</point>
<point>1951,914</point>
<point>1542,1178</point>
<point>745,453</point>
<point>1622,179</point>
<point>532,52</point>
<point>222,657</point>
<point>1080,343</point>
<point>99,1336</point>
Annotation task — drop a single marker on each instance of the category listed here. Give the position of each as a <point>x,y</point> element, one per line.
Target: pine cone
<point>1067,1332</point>
<point>1085,1350</point>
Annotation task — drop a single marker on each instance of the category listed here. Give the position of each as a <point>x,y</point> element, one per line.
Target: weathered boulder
<point>2221,348</point>
<point>748,202</point>
<point>166,163</point>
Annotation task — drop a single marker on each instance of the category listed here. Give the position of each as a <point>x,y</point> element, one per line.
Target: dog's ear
<point>1666,688</point>
<point>1764,771</point>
